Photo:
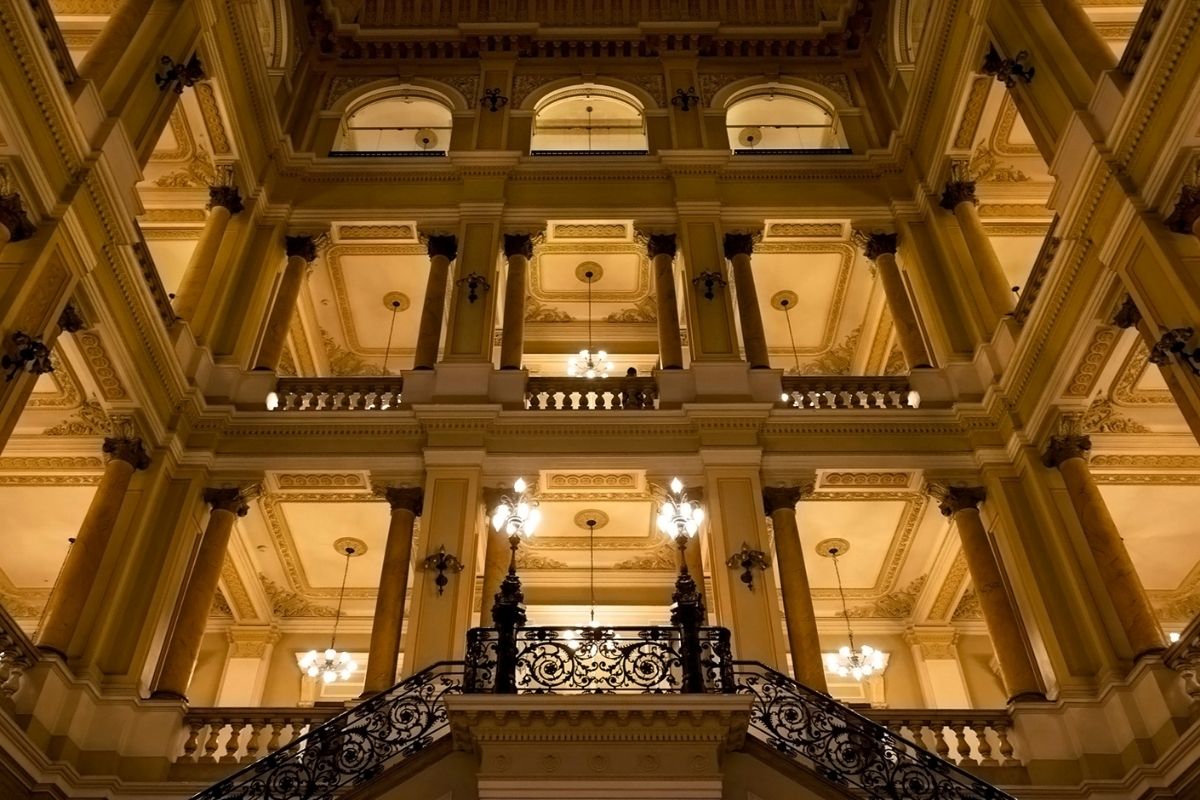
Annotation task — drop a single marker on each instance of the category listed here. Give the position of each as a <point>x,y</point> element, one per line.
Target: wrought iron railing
<point>837,391</point>
<point>600,660</point>
<point>591,394</point>
<point>847,749</point>
<point>348,393</point>
<point>353,747</point>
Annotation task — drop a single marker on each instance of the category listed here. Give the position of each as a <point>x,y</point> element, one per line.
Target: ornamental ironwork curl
<point>847,749</point>
<point>599,660</point>
<point>352,747</point>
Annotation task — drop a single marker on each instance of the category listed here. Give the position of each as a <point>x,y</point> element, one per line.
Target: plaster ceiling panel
<point>624,274</point>
<point>38,520</point>
<point>170,258</point>
<point>818,275</point>
<point>615,520</point>
<point>871,528</point>
<point>315,527</point>
<point>1017,254</point>
<point>1158,526</point>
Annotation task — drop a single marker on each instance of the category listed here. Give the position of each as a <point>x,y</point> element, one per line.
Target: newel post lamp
<point>517,516</point>
<point>680,518</point>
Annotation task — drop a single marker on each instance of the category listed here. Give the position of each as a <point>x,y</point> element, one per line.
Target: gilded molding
<point>1102,417</point>
<point>101,366</point>
<point>235,591</point>
<point>1125,391</point>
<point>897,604</point>
<point>210,112</point>
<point>90,419</point>
<point>955,576</point>
<point>1088,371</point>
<point>313,480</point>
<point>972,113</point>
<point>51,463</point>
<point>859,479</point>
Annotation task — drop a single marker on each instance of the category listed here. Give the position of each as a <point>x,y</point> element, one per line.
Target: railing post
<point>508,614</point>
<point>687,614</point>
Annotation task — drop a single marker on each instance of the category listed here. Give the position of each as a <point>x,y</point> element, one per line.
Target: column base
<point>166,695</point>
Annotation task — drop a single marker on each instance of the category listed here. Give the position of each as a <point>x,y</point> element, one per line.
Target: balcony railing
<point>17,654</point>
<point>836,391</point>
<point>1184,657</point>
<point>1037,275</point>
<point>350,393</point>
<point>1139,40</point>
<point>243,735</point>
<point>968,737</point>
<point>162,300</point>
<point>591,394</point>
<point>55,43</point>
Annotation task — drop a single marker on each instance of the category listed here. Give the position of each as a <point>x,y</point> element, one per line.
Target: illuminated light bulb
<point>330,654</point>
<point>914,398</point>
<point>329,677</point>
<point>676,485</point>
<point>783,398</point>
<point>272,401</point>
<point>1173,636</point>
<point>520,485</point>
<point>313,671</point>
<point>698,514</point>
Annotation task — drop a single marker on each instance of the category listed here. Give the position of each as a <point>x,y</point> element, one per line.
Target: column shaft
<point>908,332</point>
<point>799,615</point>
<point>661,248</point>
<point>283,310</point>
<point>442,250</point>
<point>754,338</point>
<point>82,564</point>
<point>225,202</point>
<point>1008,638</point>
<point>518,249</point>
<point>1086,43</point>
<point>991,272</point>
<point>197,599</point>
<point>1116,568</point>
<point>114,41</point>
<point>393,589</point>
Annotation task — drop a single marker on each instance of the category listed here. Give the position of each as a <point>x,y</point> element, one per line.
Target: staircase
<point>847,754</point>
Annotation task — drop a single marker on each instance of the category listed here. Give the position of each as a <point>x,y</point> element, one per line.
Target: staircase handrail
<point>354,746</point>
<point>845,747</point>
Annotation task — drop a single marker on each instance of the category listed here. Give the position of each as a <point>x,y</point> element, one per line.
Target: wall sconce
<point>443,562</point>
<point>493,99</point>
<point>178,76</point>
<point>684,99</point>
<point>711,281</point>
<point>1007,70</point>
<point>749,560</point>
<point>30,354</point>
<point>474,283</point>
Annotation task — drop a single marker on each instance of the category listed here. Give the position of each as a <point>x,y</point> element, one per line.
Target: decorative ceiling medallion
<point>828,548</point>
<point>588,514</point>
<point>581,272</point>
<point>785,299</point>
<point>393,297</point>
<point>349,542</point>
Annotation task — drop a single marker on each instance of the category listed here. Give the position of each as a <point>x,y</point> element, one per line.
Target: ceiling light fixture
<point>387,351</point>
<point>849,661</point>
<point>331,665</point>
<point>588,364</point>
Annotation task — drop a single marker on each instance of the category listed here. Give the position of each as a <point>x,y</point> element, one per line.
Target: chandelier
<point>517,515</point>
<point>331,664</point>
<point>849,661</point>
<point>679,517</point>
<point>589,364</point>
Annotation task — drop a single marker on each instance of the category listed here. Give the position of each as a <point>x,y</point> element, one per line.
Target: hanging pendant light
<point>593,635</point>
<point>589,364</point>
<point>387,351</point>
<point>331,665</point>
<point>850,661</point>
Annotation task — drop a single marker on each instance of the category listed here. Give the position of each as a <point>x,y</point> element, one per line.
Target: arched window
<point>401,121</point>
<point>778,119</point>
<point>588,119</point>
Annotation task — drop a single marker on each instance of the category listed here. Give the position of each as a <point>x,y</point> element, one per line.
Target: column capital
<point>13,217</point>
<point>231,499</point>
<point>1067,446</point>
<point>1128,314</point>
<point>660,244</point>
<point>226,197</point>
<point>1187,210</point>
<point>519,244</point>
<point>956,192</point>
<point>740,243</point>
<point>777,498</point>
<point>70,320</point>
<point>406,498</point>
<point>127,449</point>
<point>442,244</point>
<point>952,499</point>
<point>302,245</point>
<point>876,244</point>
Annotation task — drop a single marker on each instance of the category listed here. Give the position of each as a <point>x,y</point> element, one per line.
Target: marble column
<point>1086,43</point>
<point>880,248</point>
<point>1185,217</point>
<point>661,249</point>
<point>738,248</point>
<point>223,203</point>
<point>14,222</point>
<point>959,197</point>
<point>803,640</point>
<point>301,252</point>
<point>518,250</point>
<point>196,601</point>
<point>495,558</point>
<point>961,504</point>
<point>1069,454</point>
<point>388,622</point>
<point>442,250</point>
<point>125,455</point>
<point>114,41</point>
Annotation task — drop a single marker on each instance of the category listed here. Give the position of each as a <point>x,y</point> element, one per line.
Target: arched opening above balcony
<point>588,118</point>
<point>780,119</point>
<point>396,121</point>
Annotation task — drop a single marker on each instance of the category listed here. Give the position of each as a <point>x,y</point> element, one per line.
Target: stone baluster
<point>880,248</point>
<point>405,502</point>
<point>234,742</point>
<point>1069,453</point>
<point>983,744</point>
<point>14,222</point>
<point>518,250</point>
<point>223,203</point>
<point>803,640</point>
<point>126,455</point>
<point>252,745</point>
<point>442,250</point>
<point>738,249</point>
<point>196,601</point>
<point>661,249</point>
<point>959,197</point>
<point>301,253</point>
<point>961,503</point>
